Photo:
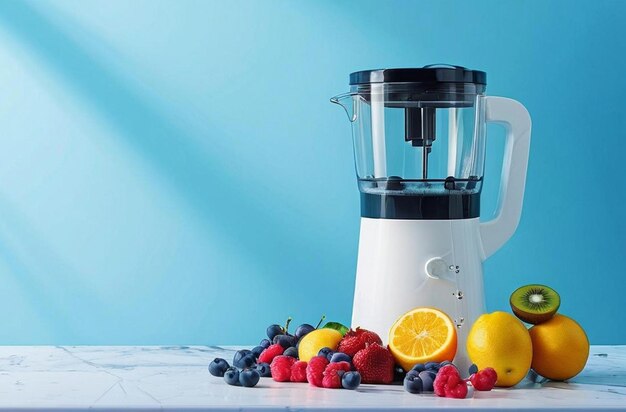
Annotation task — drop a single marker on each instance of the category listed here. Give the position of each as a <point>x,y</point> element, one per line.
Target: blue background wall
<point>172,172</point>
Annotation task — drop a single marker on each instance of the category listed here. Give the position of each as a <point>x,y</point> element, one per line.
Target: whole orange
<point>560,348</point>
<point>500,341</point>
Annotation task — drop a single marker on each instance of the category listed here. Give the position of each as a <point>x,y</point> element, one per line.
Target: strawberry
<point>333,373</point>
<point>268,355</point>
<point>298,372</point>
<point>355,340</point>
<point>315,370</point>
<point>281,368</point>
<point>375,364</point>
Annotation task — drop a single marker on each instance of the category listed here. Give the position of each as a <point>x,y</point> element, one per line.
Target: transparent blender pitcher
<point>419,141</point>
<point>419,149</point>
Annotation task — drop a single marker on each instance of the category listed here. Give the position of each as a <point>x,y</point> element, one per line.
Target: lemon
<point>560,348</point>
<point>501,341</point>
<point>313,341</point>
<point>422,335</point>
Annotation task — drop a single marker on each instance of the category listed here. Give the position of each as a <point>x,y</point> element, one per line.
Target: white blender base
<point>404,264</point>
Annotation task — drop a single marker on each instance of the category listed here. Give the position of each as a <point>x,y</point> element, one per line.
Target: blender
<point>419,149</point>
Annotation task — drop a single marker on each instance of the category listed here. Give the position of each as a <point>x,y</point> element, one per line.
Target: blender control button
<point>437,268</point>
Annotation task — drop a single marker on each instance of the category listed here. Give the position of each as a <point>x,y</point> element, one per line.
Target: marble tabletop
<point>175,378</point>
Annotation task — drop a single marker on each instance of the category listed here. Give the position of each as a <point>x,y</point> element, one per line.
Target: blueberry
<point>256,351</point>
<point>286,341</point>
<point>428,378</point>
<point>302,330</point>
<point>432,366</point>
<point>340,357</point>
<point>293,352</point>
<point>248,361</point>
<point>264,370</point>
<point>324,351</point>
<point>249,377</point>
<point>409,375</point>
<point>473,369</point>
<point>419,367</point>
<point>265,343</point>
<point>273,330</point>
<point>398,374</point>
<point>243,359</point>
<point>218,366</point>
<point>412,372</point>
<point>329,356</point>
<point>413,383</point>
<point>231,376</point>
<point>240,354</point>
<point>351,380</point>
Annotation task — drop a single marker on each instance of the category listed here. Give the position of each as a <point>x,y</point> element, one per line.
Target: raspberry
<point>268,355</point>
<point>484,380</point>
<point>333,373</point>
<point>315,370</point>
<point>298,372</point>
<point>449,384</point>
<point>281,368</point>
<point>459,391</point>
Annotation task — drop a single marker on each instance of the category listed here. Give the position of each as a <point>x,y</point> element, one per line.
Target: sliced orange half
<point>422,335</point>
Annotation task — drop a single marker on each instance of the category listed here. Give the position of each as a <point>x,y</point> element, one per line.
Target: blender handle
<point>515,118</point>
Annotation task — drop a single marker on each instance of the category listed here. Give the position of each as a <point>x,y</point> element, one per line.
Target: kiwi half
<point>535,303</point>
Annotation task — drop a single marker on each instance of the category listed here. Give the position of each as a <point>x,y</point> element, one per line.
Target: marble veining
<point>176,378</point>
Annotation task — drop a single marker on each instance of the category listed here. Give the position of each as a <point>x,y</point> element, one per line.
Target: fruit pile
<point>445,380</point>
<point>334,356</point>
<point>555,347</point>
<point>422,344</point>
<point>328,357</point>
<point>560,345</point>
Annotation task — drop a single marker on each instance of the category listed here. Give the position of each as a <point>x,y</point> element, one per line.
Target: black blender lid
<point>436,73</point>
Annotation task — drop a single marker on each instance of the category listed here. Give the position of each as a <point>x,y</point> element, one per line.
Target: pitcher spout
<point>347,101</point>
